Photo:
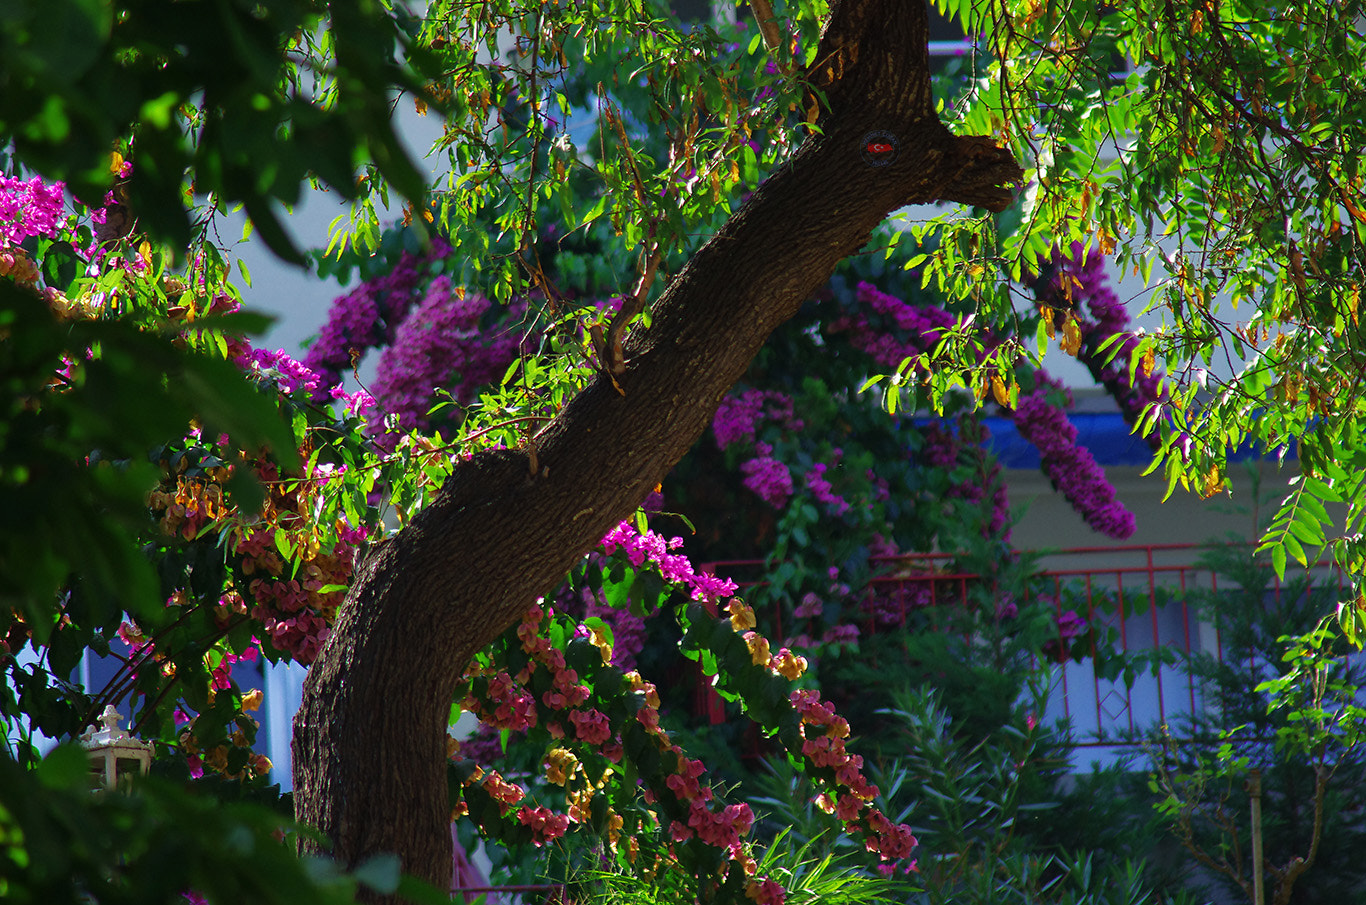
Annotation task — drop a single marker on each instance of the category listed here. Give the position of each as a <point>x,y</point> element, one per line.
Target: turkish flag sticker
<point>879,148</point>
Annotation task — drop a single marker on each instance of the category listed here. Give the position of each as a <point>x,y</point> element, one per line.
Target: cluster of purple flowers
<point>673,567</point>
<point>1070,626</point>
<point>442,345</point>
<point>278,366</point>
<point>29,208</point>
<point>886,604</point>
<point>369,315</point>
<point>353,404</point>
<point>434,337</point>
<point>921,327</point>
<point>767,477</point>
<point>32,207</point>
<point>738,421</point>
<point>288,374</point>
<point>1080,278</point>
<point>939,448</point>
<point>999,523</point>
<point>845,634</point>
<point>895,331</point>
<point>739,418</point>
<point>810,606</point>
<point>824,491</point>
<point>1072,469</point>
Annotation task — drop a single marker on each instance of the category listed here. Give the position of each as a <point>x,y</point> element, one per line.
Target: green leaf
<point>282,544</point>
<point>1278,560</point>
<point>1321,491</point>
<point>1306,530</point>
<point>618,593</point>
<point>65,767</point>
<point>1351,622</point>
<point>871,381</point>
<point>381,873</point>
<point>1174,472</point>
<point>1295,550</point>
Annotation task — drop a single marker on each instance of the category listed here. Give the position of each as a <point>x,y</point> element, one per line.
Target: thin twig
<point>611,352</point>
<point>630,307</point>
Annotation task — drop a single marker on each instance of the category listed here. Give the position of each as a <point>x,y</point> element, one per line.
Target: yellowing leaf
<point>998,390</point>
<point>1214,482</point>
<point>1105,241</point>
<point>1071,337</point>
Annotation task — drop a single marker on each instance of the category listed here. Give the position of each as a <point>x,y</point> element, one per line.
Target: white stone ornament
<point>115,756</point>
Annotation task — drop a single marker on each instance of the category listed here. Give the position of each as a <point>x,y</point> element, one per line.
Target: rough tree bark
<point>369,739</point>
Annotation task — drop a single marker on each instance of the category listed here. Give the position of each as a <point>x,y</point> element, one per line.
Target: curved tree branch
<point>369,739</point>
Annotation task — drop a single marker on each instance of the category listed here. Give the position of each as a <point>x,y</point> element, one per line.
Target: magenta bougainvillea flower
<point>740,416</point>
<point>768,477</point>
<point>29,208</point>
<point>1072,469</point>
<point>442,345</point>
<point>368,316</point>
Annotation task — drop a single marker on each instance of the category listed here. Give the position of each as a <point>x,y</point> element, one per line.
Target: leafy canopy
<point>1211,147</point>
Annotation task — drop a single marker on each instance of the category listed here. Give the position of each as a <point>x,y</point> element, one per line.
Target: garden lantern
<point>115,756</point>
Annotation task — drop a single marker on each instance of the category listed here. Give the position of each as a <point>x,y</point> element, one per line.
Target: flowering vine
<point>888,330</point>
<point>609,764</point>
<point>231,576</point>
<point>553,677</point>
<point>1078,279</point>
<point>1072,469</point>
<point>891,331</point>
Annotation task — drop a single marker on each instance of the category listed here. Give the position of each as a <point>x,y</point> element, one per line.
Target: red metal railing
<point>1141,593</point>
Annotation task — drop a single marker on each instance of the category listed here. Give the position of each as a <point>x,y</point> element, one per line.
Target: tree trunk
<point>369,739</point>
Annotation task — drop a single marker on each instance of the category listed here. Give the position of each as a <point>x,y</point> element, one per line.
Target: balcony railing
<point>1140,597</point>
